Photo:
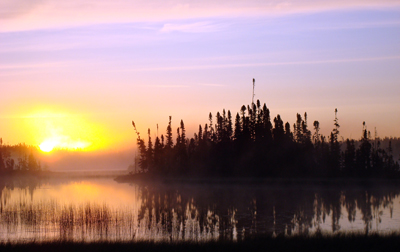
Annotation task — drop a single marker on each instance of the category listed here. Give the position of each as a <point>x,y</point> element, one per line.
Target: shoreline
<point>144,178</point>
<point>337,242</point>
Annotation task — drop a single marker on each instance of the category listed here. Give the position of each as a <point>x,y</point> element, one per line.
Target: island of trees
<point>19,159</point>
<point>253,145</point>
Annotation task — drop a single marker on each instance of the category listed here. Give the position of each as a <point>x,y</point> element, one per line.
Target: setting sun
<point>65,130</point>
<point>47,146</point>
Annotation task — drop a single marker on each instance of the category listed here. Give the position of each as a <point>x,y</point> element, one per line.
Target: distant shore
<point>62,174</point>
<point>146,178</point>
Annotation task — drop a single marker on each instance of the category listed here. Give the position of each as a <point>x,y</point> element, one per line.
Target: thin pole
<point>252,97</point>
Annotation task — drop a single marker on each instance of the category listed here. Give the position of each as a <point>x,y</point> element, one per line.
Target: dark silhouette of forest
<point>252,144</point>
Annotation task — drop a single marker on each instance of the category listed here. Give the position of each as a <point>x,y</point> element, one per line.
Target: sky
<point>74,74</point>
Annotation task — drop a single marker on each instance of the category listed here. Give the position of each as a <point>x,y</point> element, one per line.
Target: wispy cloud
<point>168,86</point>
<point>357,25</point>
<point>33,68</point>
<point>261,64</point>
<point>212,85</point>
<point>198,27</point>
<point>41,14</point>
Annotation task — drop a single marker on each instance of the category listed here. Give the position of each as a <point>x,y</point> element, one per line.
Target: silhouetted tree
<point>363,154</point>
<point>278,130</point>
<point>334,160</point>
<point>316,137</point>
<point>150,153</point>
<point>169,142</point>
<point>238,128</point>
<point>33,165</point>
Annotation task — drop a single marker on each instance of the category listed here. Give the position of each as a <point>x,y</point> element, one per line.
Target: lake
<point>100,209</point>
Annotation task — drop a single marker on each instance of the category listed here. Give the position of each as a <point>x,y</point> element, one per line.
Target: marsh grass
<point>94,222</point>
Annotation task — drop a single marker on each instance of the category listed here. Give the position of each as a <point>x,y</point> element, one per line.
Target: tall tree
<point>335,147</point>
<point>278,129</point>
<point>316,137</point>
<point>229,129</point>
<point>363,154</point>
<point>150,153</point>
<point>169,143</point>
<point>238,128</point>
<point>142,150</point>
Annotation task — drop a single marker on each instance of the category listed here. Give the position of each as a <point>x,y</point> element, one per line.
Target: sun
<point>63,142</point>
<point>62,130</point>
<point>47,146</point>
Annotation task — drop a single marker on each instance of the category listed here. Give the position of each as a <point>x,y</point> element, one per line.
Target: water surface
<point>102,209</point>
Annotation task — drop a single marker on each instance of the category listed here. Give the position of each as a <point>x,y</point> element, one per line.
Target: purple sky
<point>76,73</point>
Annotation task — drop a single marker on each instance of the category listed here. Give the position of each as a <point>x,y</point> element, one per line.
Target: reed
<point>50,220</point>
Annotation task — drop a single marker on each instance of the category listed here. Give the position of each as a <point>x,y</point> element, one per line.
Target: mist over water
<point>102,209</point>
<point>80,161</point>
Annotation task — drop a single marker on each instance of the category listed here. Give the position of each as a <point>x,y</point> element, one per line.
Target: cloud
<point>17,15</point>
<point>33,68</point>
<point>358,25</point>
<point>17,8</point>
<point>261,64</point>
<point>170,86</point>
<point>212,85</point>
<point>198,27</point>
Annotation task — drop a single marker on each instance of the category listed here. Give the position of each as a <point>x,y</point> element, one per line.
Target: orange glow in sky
<point>52,129</point>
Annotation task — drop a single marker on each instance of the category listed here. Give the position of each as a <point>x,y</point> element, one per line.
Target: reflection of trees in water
<point>242,211</point>
<point>25,184</point>
<point>197,212</point>
<point>179,214</point>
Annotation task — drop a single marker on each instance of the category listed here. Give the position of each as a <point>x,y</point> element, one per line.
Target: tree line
<point>251,144</point>
<point>20,158</point>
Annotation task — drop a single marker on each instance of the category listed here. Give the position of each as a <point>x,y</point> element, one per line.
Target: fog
<point>79,161</point>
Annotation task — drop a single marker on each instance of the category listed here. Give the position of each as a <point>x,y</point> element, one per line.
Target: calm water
<point>102,209</point>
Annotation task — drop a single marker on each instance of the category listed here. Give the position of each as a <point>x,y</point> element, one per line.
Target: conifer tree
<point>200,134</point>
<point>149,153</point>
<point>288,133</point>
<point>267,125</point>
<point>363,154</point>
<point>306,133</point>
<point>335,148</point>
<point>32,163</point>
<point>142,150</point>
<point>183,135</point>
<point>278,129</point>
<point>169,144</point>
<point>229,129</point>
<point>316,137</point>
<point>238,128</point>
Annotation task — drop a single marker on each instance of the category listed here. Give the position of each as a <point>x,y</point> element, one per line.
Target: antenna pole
<point>252,97</point>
